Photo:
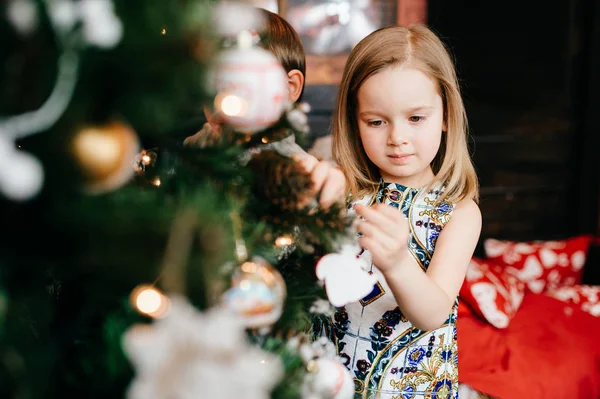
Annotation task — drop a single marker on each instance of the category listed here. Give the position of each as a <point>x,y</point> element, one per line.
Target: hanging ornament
<point>104,154</point>
<point>251,87</point>
<point>23,15</point>
<point>327,378</point>
<point>21,174</point>
<point>257,293</point>
<point>232,17</point>
<point>190,354</point>
<point>345,276</point>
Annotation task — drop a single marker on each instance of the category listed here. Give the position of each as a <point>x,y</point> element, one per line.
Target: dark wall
<point>526,72</point>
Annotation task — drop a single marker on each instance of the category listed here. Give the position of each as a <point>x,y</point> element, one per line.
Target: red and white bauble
<point>251,87</point>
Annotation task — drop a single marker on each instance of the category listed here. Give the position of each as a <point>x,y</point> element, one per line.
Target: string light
<point>156,181</point>
<point>146,159</point>
<point>150,301</point>
<point>163,31</point>
<point>284,241</point>
<point>230,104</point>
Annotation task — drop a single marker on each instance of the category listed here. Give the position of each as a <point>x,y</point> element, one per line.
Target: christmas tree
<point>133,265</point>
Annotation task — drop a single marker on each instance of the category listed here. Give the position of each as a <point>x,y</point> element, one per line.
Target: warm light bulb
<point>156,181</point>
<point>163,31</point>
<point>148,301</point>
<point>284,241</point>
<point>232,105</point>
<point>249,267</point>
<point>146,159</point>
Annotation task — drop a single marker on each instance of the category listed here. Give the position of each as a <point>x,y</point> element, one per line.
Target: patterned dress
<point>387,356</point>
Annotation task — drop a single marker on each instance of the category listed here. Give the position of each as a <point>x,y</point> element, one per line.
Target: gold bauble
<point>105,155</point>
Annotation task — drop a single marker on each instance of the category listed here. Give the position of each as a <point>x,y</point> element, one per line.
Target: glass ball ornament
<point>257,293</point>
<point>251,88</point>
<point>104,155</point>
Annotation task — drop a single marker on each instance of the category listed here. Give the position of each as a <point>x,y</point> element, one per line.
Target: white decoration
<point>22,14</point>
<point>251,86</point>
<point>485,295</point>
<point>532,269</point>
<point>101,27</point>
<point>233,17</point>
<point>190,355</point>
<point>344,275</point>
<point>548,258</point>
<point>63,13</point>
<point>321,348</point>
<point>578,260</point>
<point>321,306</point>
<point>473,272</point>
<point>331,380</point>
<point>536,286</point>
<point>298,120</point>
<point>21,174</point>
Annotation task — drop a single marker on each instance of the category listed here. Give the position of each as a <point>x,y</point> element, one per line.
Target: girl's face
<point>400,118</point>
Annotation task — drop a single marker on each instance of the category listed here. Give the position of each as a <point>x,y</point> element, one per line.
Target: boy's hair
<point>281,39</point>
<point>418,47</point>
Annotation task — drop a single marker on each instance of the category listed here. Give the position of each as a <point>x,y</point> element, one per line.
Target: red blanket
<point>549,350</point>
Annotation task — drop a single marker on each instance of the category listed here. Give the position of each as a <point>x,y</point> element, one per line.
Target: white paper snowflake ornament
<point>345,276</point>
<point>190,355</point>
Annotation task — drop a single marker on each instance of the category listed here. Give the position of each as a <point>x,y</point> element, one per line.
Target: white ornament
<point>190,355</point>
<point>345,277</point>
<point>63,13</point>
<point>323,307</point>
<point>21,174</point>
<point>251,86</point>
<point>298,120</point>
<point>330,380</point>
<point>233,17</point>
<point>101,27</point>
<point>23,15</point>
<point>321,348</point>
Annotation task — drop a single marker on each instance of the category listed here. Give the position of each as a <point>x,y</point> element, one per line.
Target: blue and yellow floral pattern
<point>389,357</point>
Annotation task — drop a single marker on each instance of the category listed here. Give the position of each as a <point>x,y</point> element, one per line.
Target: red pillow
<point>542,265</point>
<point>585,297</point>
<point>492,292</point>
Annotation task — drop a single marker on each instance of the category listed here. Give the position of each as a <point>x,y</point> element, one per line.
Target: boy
<point>280,38</point>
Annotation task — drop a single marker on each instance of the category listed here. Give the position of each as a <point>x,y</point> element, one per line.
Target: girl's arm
<point>425,298</point>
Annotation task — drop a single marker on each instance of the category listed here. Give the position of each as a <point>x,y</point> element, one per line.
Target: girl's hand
<point>384,233</point>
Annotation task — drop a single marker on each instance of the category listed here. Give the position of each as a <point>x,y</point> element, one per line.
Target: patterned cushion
<point>585,297</point>
<point>492,292</point>
<point>542,265</point>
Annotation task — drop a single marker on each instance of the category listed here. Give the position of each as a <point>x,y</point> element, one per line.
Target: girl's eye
<point>375,123</point>
<point>416,119</point>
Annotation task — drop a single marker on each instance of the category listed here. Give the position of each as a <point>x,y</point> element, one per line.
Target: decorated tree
<point>132,265</point>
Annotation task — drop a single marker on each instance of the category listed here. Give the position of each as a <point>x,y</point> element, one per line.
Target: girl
<point>399,135</point>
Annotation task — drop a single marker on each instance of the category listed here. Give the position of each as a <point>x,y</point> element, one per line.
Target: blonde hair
<point>419,47</point>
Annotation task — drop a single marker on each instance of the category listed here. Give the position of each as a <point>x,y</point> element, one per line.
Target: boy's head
<point>280,38</point>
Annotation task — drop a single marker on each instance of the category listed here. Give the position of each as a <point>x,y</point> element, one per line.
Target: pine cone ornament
<point>280,180</point>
